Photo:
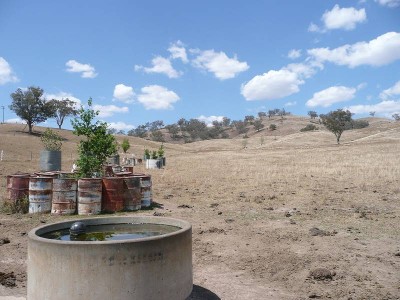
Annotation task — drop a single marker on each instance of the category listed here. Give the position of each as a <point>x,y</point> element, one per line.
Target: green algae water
<point>112,232</point>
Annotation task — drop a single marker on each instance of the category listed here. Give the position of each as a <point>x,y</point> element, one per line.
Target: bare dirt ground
<point>287,217</point>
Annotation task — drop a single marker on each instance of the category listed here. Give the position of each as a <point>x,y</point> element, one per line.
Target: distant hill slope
<point>16,142</point>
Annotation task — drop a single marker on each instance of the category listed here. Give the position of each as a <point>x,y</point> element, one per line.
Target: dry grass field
<point>291,216</point>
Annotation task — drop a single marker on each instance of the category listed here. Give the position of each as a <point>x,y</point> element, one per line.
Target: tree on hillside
<point>258,125</point>
<point>140,131</point>
<point>30,106</point>
<point>157,136</point>
<point>62,109</point>
<point>249,119</point>
<point>226,121</point>
<point>336,122</point>
<point>262,114</point>
<point>312,114</point>
<point>240,126</point>
<point>173,130</point>
<point>396,117</point>
<point>372,113</point>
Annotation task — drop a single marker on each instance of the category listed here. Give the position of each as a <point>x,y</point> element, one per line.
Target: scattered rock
<point>397,253</point>
<point>314,296</point>
<point>7,279</point>
<point>158,214</point>
<point>270,208</point>
<point>288,214</point>
<point>4,241</point>
<point>169,196</point>
<point>212,205</point>
<point>42,221</point>
<point>322,274</point>
<point>319,232</point>
<point>293,222</point>
<point>212,230</point>
<point>220,213</point>
<point>229,220</point>
<point>185,206</point>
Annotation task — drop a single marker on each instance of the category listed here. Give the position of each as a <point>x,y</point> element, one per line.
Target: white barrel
<point>40,194</point>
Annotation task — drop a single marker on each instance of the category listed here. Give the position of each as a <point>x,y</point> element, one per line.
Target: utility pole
<point>2,107</point>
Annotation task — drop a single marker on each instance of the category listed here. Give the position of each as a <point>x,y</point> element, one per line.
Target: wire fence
<point>31,156</point>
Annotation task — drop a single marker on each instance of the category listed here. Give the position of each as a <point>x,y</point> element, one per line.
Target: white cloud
<point>178,50</point>
<point>157,97</point>
<point>294,53</point>
<point>63,96</point>
<point>160,65</point>
<point>314,28</point>
<point>219,64</point>
<point>86,70</point>
<point>343,18</point>
<point>378,52</point>
<point>109,110</point>
<point>272,85</point>
<point>389,3</point>
<point>293,103</point>
<point>387,108</point>
<point>6,73</point>
<point>390,92</point>
<point>331,95</point>
<point>120,126</point>
<point>210,119</point>
<point>123,93</point>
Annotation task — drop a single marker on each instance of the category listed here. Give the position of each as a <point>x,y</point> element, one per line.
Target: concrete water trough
<point>131,258</point>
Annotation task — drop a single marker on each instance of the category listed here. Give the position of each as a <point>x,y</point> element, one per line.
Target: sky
<point>142,61</point>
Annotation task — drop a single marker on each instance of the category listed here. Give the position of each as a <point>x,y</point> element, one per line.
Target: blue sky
<point>142,61</point>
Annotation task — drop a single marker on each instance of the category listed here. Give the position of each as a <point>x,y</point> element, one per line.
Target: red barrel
<point>89,196</point>
<point>64,196</point>
<point>112,194</point>
<point>132,196</point>
<point>17,187</point>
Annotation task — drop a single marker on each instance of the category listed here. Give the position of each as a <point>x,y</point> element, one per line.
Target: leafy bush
<point>51,140</point>
<point>309,127</point>
<point>272,127</point>
<point>125,145</point>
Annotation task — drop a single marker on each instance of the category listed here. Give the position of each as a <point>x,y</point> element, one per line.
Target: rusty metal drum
<point>112,194</point>
<point>17,187</point>
<point>132,195</point>
<point>64,196</point>
<point>89,196</point>
<point>145,189</point>
<point>40,194</point>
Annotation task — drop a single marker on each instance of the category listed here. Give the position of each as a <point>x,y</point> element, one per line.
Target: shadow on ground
<point>200,293</point>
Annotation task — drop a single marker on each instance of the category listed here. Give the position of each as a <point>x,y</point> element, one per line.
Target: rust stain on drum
<point>89,196</point>
<point>17,187</point>
<point>113,194</point>
<point>64,196</point>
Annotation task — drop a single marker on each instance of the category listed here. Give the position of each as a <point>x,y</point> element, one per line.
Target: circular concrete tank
<point>157,267</point>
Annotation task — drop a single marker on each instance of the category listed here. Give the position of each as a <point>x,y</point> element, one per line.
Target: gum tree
<point>30,106</point>
<point>336,122</point>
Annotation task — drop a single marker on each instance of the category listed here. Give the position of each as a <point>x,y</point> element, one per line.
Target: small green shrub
<point>19,206</point>
<point>125,145</point>
<point>272,127</point>
<point>51,140</point>
<point>309,127</point>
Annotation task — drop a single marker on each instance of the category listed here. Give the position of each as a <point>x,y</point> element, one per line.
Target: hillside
<point>268,214</point>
